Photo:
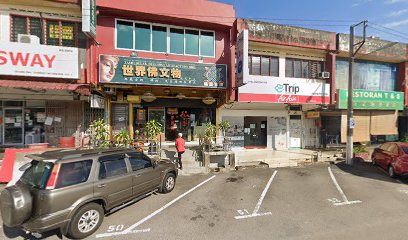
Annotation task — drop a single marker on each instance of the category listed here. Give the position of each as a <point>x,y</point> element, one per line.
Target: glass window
<point>275,66</point>
<point>176,41</point>
<point>192,42</point>
<point>289,68</point>
<point>305,69</point>
<point>124,34</point>
<point>82,39</point>
<point>265,66</point>
<point>297,68</point>
<point>53,33</point>
<point>207,43</point>
<point>159,35</point>
<point>73,173</point>
<point>19,27</point>
<point>35,28</point>
<point>373,76</point>
<point>37,174</point>
<point>139,161</point>
<point>112,165</point>
<point>68,34</point>
<point>256,65</point>
<point>142,41</point>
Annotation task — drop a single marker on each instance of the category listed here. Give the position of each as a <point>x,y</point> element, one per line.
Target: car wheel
<point>391,172</point>
<point>169,182</point>
<point>86,221</point>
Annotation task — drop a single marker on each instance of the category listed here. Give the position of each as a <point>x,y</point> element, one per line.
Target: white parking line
<point>343,196</point>
<point>258,205</point>
<point>130,230</point>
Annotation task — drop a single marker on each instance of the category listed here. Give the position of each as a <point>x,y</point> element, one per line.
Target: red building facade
<point>166,60</point>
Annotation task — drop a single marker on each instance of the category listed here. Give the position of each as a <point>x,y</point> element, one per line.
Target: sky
<point>387,19</point>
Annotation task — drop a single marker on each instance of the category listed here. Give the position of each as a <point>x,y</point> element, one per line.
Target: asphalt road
<point>261,203</point>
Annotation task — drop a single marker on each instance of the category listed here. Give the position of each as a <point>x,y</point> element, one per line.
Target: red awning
<point>82,89</point>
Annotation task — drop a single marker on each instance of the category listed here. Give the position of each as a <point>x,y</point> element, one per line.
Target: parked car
<point>393,157</point>
<point>72,190</point>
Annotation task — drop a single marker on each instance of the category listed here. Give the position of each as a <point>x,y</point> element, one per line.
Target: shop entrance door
<point>295,131</point>
<point>255,132</point>
<point>13,126</point>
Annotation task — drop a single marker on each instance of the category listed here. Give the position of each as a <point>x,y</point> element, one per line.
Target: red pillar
<point>331,67</point>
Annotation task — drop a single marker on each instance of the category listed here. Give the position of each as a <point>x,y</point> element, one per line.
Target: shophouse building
<point>283,83</point>
<point>43,81</point>
<point>164,60</point>
<point>380,77</point>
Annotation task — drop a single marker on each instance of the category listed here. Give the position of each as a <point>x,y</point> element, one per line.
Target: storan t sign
<point>34,60</point>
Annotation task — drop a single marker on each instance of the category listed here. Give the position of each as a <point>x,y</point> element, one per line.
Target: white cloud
<point>398,13</point>
<point>360,2</point>
<point>396,24</point>
<point>395,1</point>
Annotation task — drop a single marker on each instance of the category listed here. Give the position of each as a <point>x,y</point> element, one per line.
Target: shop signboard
<point>242,57</point>
<point>281,90</point>
<point>365,99</point>
<point>89,17</point>
<point>143,71</point>
<point>312,114</point>
<point>35,60</point>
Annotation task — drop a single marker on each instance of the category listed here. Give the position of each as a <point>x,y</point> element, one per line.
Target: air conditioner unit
<point>25,38</point>
<point>324,75</point>
<point>109,90</point>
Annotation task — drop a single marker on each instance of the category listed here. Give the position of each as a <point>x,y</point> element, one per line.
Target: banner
<point>265,89</point>
<point>35,60</point>
<point>365,99</point>
<point>89,17</point>
<point>142,71</point>
<point>242,57</point>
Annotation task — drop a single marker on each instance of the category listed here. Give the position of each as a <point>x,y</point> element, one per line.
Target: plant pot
<point>362,155</point>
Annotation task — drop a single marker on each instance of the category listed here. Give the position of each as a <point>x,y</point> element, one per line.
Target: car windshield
<point>37,174</point>
<point>405,149</point>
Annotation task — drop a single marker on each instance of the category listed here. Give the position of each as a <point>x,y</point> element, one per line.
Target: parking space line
<point>343,196</point>
<point>258,205</point>
<point>130,230</point>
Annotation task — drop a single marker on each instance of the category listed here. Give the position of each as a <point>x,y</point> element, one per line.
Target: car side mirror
<point>25,167</point>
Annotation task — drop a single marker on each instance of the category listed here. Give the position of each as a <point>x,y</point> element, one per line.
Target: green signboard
<point>365,99</point>
<point>89,17</point>
<point>142,71</point>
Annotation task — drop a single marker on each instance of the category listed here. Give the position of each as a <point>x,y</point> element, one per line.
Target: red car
<point>393,157</point>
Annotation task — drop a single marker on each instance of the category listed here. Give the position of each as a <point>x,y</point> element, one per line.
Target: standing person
<point>323,137</point>
<point>180,146</point>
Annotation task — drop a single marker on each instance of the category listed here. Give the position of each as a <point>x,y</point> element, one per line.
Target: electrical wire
<point>390,33</point>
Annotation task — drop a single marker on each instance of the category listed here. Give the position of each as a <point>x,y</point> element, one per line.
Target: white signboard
<point>97,101</point>
<point>242,57</point>
<point>35,60</point>
<point>282,90</point>
<point>89,17</point>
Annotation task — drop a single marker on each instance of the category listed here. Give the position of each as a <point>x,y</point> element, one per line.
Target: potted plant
<point>122,138</point>
<point>361,152</point>
<point>224,126</point>
<point>99,133</point>
<point>209,134</point>
<point>153,129</point>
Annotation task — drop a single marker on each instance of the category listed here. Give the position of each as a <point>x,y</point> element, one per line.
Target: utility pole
<point>350,112</point>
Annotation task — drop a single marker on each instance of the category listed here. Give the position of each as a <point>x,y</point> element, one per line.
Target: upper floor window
<point>300,68</point>
<point>263,65</point>
<point>50,32</point>
<point>166,39</point>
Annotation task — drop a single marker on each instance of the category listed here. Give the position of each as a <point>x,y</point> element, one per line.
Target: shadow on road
<point>19,233</point>
<point>368,170</point>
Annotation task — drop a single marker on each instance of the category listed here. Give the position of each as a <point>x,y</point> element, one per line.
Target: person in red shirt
<point>180,147</point>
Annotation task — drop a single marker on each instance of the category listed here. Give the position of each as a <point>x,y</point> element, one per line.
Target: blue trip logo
<point>286,88</point>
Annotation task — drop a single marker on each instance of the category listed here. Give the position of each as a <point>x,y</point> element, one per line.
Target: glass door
<point>255,130</point>
<point>13,126</point>
<point>295,131</point>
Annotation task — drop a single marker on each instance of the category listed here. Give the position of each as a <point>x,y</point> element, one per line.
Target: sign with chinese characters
<point>142,71</point>
<point>280,90</point>
<point>31,60</point>
<point>89,17</point>
<point>365,99</point>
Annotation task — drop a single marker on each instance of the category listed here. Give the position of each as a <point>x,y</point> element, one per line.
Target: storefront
<point>375,115</point>
<point>181,96</point>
